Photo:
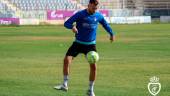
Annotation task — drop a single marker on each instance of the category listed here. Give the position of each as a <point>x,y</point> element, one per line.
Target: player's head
<point>93,6</point>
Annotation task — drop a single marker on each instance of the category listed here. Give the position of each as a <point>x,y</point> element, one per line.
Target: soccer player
<point>85,40</point>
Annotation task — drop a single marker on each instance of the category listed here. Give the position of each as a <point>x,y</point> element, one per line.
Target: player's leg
<point>92,78</point>
<point>66,69</point>
<point>93,72</point>
<point>66,63</point>
<point>72,52</point>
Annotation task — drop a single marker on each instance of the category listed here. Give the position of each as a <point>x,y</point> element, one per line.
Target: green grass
<point>31,61</point>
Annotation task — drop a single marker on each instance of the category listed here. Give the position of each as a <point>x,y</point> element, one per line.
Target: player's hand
<point>112,38</point>
<point>74,29</point>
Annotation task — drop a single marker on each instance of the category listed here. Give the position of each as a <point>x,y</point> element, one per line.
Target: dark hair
<point>96,2</point>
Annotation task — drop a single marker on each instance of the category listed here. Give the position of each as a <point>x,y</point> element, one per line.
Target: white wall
<point>165,19</point>
<point>129,20</point>
<point>29,22</point>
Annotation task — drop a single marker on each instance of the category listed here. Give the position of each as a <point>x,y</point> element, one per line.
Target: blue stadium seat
<point>43,4</point>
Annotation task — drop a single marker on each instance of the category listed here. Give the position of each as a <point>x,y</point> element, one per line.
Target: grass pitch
<point>31,61</point>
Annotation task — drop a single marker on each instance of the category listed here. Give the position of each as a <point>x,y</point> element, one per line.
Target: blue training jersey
<point>86,25</point>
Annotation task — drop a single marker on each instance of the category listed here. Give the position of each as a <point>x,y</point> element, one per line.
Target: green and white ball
<point>92,57</point>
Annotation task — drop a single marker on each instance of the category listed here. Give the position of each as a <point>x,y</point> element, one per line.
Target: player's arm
<point>107,27</point>
<point>69,23</point>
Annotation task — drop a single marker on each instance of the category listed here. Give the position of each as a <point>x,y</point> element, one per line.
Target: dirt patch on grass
<point>69,38</point>
<point>123,39</point>
<point>32,38</point>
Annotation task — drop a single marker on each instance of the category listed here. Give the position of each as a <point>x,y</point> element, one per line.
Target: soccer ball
<point>92,57</point>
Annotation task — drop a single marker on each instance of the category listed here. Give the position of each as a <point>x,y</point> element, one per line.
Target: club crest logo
<point>154,86</point>
<point>95,19</point>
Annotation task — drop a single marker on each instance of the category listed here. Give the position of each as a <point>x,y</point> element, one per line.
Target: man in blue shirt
<point>85,40</point>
